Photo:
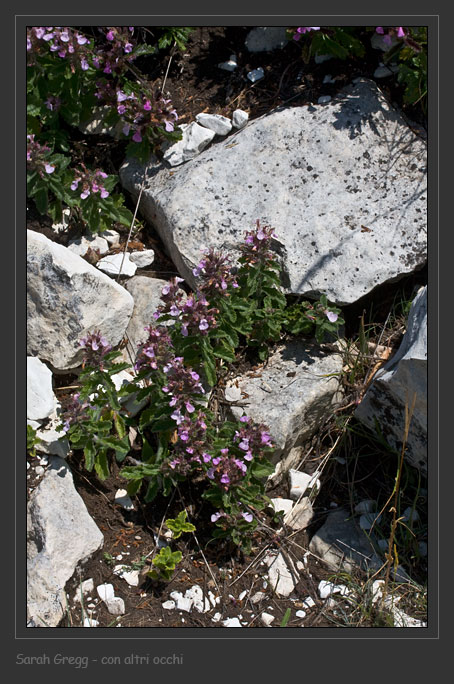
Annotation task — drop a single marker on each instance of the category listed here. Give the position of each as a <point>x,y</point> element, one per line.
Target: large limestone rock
<point>67,298</point>
<point>404,376</point>
<point>292,393</point>
<point>343,185</point>
<point>60,535</point>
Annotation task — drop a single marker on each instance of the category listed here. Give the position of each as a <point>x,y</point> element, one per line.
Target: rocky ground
<point>239,590</point>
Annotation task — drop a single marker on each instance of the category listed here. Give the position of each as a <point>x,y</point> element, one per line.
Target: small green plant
<point>32,441</point>
<point>179,525</point>
<point>165,563</point>
<point>108,558</point>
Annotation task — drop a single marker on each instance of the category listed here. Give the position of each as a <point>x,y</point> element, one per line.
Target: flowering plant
<point>177,365</point>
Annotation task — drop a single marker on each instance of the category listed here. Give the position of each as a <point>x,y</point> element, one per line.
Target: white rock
<point>300,516</point>
<point>326,588</point>
<point>258,596</point>
<point>112,263</point>
<point>112,236</point>
<point>130,576</point>
<point>168,605</point>
<point>319,240</point>
<point>267,619</point>
<point>60,535</point>
<point>324,99</point>
<point>195,139</point>
<point>176,595</point>
<point>121,379</point>
<point>284,505</point>
<point>115,605</point>
<point>90,622</point>
<point>230,65</point>
<point>142,259</point>
<point>239,118</point>
<point>242,595</point>
<point>123,500</point>
<point>221,125</point>
<point>300,482</point>
<point>86,587</point>
<point>255,75</point>
<point>35,424</point>
<point>82,244</point>
<point>39,470</point>
<point>40,396</point>
<point>232,622</point>
<point>216,617</point>
<point>66,298</point>
<point>105,592</point>
<point>280,576</point>
<point>301,613</point>
<point>309,602</point>
<point>328,79</point>
<point>52,443</point>
<point>185,604</point>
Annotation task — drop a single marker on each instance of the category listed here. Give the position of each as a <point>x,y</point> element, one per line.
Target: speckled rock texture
<point>66,299</point>
<point>343,184</point>
<point>291,394</point>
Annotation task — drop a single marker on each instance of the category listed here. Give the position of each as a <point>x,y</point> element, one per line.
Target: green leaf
<point>89,453</point>
<point>41,200</point>
<point>102,465</point>
<point>152,491</point>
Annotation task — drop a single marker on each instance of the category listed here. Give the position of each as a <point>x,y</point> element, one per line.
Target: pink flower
<point>331,316</point>
<point>49,168</point>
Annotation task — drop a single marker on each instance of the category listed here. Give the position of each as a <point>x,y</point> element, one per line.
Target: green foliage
<point>165,563</point>
<point>32,441</point>
<point>179,525</point>
<point>174,34</point>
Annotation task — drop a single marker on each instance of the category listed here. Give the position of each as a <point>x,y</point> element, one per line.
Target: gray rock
<point>239,118</point>
<point>51,444</point>
<point>396,383</point>
<point>324,99</point>
<point>342,545</point>
<point>282,578</point>
<point>221,125</point>
<point>112,236</point>
<point>255,74</point>
<point>41,399</point>
<point>60,535</point>
<point>66,299</point>
<point>142,259</point>
<point>117,263</point>
<point>265,38</point>
<point>300,482</point>
<point>300,516</point>
<point>195,139</point>
<point>293,407</point>
<point>317,201</point>
<point>230,65</point>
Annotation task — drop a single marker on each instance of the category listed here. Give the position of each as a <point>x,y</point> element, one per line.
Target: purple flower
<point>203,325</point>
<point>216,516</point>
<point>137,136</point>
<point>84,194</point>
<point>49,168</point>
<point>110,35</point>
<point>104,193</point>
<point>247,516</point>
<point>331,316</point>
<point>225,479</point>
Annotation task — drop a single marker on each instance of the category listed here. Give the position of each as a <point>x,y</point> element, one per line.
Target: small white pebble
<point>267,619</point>
<point>242,595</point>
<point>39,470</point>
<point>301,613</point>
<point>324,99</point>
<point>309,602</point>
<point>168,605</point>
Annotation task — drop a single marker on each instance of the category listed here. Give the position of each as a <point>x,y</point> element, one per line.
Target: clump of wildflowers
<point>117,55</point>
<point>91,181</point>
<point>38,157</point>
<point>304,29</point>
<point>226,469</point>
<point>214,274</point>
<point>255,249</point>
<point>75,412</point>
<point>95,347</point>
<point>62,40</point>
<point>191,447</point>
<point>156,351</point>
<point>252,438</point>
<point>182,383</point>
